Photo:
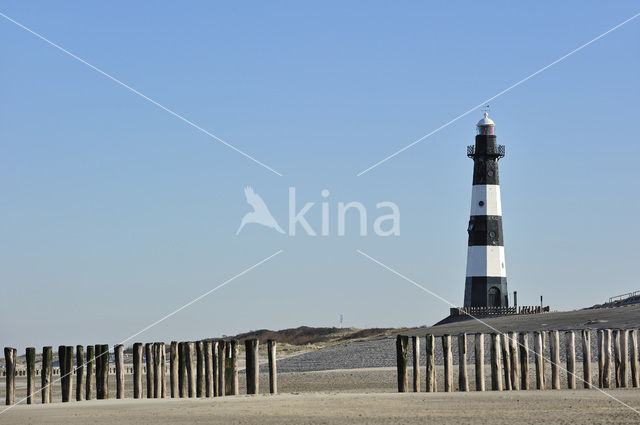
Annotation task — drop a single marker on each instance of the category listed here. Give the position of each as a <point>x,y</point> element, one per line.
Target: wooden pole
<point>515,361</point>
<point>448,363</point>
<point>191,372</point>
<point>273,369</point>
<point>570,346</point>
<point>148,360</point>
<point>65,359</point>
<point>91,367</point>
<point>80,391</point>
<point>173,369</point>
<point>118,352</point>
<point>235,384</point>
<point>555,359</point>
<point>463,381</point>
<point>506,360</point>
<point>624,358</point>
<point>430,351</point>
<point>199,368</point>
<point>30,355</point>
<point>616,357</point>
<point>479,359</point>
<point>10,374</point>
<point>163,370</point>
<point>606,379</point>
<point>137,370</point>
<point>539,358</point>
<point>523,347</point>
<point>222,355</point>
<point>635,367</point>
<point>156,375</point>
<point>415,344</point>
<point>182,371</point>
<point>496,378</point>
<point>214,362</point>
<point>208,369</point>
<point>45,374</point>
<point>98,362</point>
<point>104,349</point>
<point>601,358</point>
<point>402,342</point>
<point>586,358</point>
<point>252,367</point>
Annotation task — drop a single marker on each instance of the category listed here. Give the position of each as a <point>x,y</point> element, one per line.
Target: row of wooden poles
<point>510,360</point>
<point>206,368</point>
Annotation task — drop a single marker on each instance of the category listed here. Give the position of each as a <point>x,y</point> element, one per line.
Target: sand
<point>555,407</point>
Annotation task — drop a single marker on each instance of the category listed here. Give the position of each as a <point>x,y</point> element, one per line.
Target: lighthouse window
<point>492,234</point>
<point>481,203</point>
<point>490,173</point>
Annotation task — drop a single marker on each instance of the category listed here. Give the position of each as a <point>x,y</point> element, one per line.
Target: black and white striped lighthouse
<point>486,282</point>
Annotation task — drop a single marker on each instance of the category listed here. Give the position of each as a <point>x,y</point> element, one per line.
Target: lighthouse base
<point>486,291</point>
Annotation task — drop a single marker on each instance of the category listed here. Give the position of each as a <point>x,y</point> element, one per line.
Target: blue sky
<point>114,213</point>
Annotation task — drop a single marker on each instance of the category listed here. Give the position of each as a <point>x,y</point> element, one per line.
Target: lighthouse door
<point>494,297</point>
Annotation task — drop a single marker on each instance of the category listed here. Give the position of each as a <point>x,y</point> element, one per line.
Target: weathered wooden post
<point>415,344</point>
<point>118,351</point>
<point>515,362</point>
<point>506,360</point>
<point>10,374</point>
<point>430,352</point>
<point>601,357</point>
<point>80,391</point>
<point>65,358</point>
<point>570,346</point>
<point>496,378</point>
<point>539,357</point>
<point>479,359</point>
<point>30,355</point>
<point>104,373</point>
<point>199,368</point>
<point>252,367</point>
<point>555,359</point>
<point>235,384</point>
<point>448,363</point>
<point>586,358</point>
<point>45,374</point>
<point>616,357</point>
<point>163,370</point>
<point>182,370</point>
<point>191,372</point>
<point>606,379</point>
<point>635,367</point>
<point>148,360</point>
<point>463,381</point>
<point>173,369</point>
<point>91,367</point>
<point>208,369</point>
<point>624,358</point>
<point>137,370</point>
<point>523,339</point>
<point>214,362</point>
<point>157,370</point>
<point>222,375</point>
<point>273,368</point>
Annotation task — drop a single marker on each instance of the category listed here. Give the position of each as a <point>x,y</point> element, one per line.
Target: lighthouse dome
<point>485,121</point>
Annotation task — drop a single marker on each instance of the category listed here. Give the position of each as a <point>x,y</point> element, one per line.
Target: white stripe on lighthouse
<point>486,261</point>
<point>489,196</point>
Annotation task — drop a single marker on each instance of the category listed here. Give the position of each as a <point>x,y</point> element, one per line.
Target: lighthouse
<point>486,281</point>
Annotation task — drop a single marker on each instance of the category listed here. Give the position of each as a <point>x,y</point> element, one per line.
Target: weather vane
<point>486,109</point>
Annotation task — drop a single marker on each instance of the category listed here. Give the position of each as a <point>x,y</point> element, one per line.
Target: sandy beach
<point>557,407</point>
